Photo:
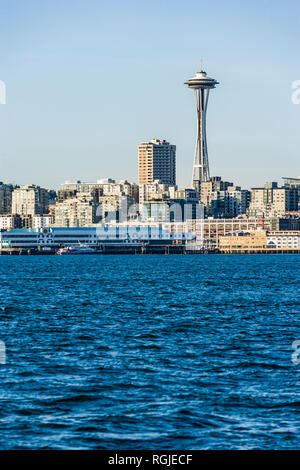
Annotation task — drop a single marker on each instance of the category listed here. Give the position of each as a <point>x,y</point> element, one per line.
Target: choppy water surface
<point>149,352</point>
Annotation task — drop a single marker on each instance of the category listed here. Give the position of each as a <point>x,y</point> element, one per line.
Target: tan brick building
<point>157,161</point>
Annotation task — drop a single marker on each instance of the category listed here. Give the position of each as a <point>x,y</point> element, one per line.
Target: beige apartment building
<point>77,211</point>
<point>157,161</point>
<point>223,199</point>
<point>30,200</point>
<point>102,188</point>
<point>106,199</point>
<point>215,183</point>
<point>110,189</point>
<point>153,191</point>
<point>272,201</point>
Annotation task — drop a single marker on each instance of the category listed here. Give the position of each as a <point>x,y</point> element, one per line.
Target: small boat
<point>77,250</point>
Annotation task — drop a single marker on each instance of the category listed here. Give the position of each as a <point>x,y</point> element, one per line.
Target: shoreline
<point>161,250</point>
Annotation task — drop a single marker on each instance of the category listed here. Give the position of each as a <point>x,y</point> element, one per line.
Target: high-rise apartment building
<point>223,199</point>
<point>293,183</point>
<point>30,199</point>
<point>79,211</point>
<point>5,198</point>
<point>215,183</point>
<point>272,200</point>
<point>157,161</point>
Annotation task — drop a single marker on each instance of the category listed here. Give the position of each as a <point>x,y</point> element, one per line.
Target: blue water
<point>149,352</point>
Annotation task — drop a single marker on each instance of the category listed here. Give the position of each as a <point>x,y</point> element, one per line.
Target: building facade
<point>154,191</point>
<point>8,221</point>
<point>157,161</point>
<point>210,230</point>
<point>273,201</point>
<point>223,199</point>
<point>293,183</point>
<point>92,236</point>
<point>282,240</point>
<point>5,198</point>
<point>253,240</point>
<point>30,200</point>
<point>109,198</point>
<point>79,211</point>
<point>260,240</point>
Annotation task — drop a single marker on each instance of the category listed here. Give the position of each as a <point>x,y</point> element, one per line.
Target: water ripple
<point>160,352</point>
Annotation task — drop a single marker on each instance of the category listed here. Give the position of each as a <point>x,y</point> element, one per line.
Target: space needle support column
<point>205,151</point>
<point>194,176</point>
<point>200,158</point>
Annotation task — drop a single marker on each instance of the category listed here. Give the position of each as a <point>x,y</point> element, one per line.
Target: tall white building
<point>30,199</point>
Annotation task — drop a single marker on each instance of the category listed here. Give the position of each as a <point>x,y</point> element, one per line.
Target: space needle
<point>201,84</point>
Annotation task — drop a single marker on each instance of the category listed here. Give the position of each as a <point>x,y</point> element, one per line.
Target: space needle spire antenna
<point>201,84</point>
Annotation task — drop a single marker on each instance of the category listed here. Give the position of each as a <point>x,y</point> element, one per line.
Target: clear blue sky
<point>87,80</point>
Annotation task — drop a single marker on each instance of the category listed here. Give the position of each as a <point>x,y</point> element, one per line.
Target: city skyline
<point>66,117</point>
<point>149,229</point>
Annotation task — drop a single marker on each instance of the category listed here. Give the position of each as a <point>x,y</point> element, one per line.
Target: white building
<point>152,191</point>
<point>109,198</point>
<point>9,221</point>
<point>30,200</point>
<point>272,201</point>
<point>93,236</point>
<point>102,187</point>
<point>283,239</point>
<point>79,211</point>
<point>43,220</point>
